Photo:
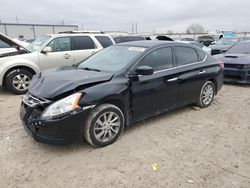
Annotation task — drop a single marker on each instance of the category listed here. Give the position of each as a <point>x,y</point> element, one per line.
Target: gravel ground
<point>193,148</point>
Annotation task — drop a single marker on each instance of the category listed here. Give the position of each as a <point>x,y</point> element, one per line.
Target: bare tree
<point>195,28</point>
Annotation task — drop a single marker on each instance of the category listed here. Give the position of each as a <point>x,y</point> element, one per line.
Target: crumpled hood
<point>233,58</point>
<point>54,82</point>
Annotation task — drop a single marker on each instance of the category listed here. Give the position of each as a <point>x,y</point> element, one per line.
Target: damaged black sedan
<point>117,87</point>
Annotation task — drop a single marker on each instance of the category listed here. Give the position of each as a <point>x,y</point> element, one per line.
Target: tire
<point>97,131</point>
<point>206,96</point>
<point>17,81</point>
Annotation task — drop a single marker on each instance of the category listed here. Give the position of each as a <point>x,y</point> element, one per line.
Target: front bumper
<point>235,75</point>
<point>59,131</point>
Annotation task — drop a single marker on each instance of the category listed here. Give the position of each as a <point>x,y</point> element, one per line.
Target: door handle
<point>66,56</point>
<point>202,72</point>
<point>173,79</point>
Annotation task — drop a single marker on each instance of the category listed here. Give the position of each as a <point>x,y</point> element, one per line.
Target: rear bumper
<point>234,75</point>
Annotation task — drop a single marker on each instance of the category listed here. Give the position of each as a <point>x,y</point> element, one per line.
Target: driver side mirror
<point>46,49</point>
<point>144,70</point>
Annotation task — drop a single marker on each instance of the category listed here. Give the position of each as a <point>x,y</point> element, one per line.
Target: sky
<point>118,15</point>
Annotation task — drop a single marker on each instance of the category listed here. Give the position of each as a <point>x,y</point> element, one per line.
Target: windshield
<point>240,48</point>
<point>227,41</point>
<point>112,59</point>
<point>36,44</point>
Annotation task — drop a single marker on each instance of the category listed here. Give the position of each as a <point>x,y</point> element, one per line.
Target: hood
<point>11,42</point>
<point>55,82</point>
<point>229,58</point>
<point>219,47</point>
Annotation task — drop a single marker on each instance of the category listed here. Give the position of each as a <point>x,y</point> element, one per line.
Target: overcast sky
<point>150,15</point>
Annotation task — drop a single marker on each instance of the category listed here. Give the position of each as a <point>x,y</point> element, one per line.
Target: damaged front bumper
<point>63,130</point>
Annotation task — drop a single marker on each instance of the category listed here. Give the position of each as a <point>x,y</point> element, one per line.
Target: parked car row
<point>101,87</point>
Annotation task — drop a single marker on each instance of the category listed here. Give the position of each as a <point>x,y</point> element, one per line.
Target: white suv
<point>47,51</point>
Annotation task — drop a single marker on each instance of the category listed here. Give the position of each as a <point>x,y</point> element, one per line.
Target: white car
<point>47,51</point>
<point>203,47</point>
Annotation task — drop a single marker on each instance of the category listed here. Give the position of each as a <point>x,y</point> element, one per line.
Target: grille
<point>234,66</point>
<point>32,101</point>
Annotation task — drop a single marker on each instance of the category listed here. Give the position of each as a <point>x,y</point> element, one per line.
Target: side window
<point>201,55</point>
<point>4,45</point>
<point>60,44</point>
<point>104,41</point>
<point>159,59</point>
<point>185,55</point>
<point>83,43</point>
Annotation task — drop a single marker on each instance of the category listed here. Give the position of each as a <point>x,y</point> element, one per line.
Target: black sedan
<point>237,63</point>
<point>117,87</point>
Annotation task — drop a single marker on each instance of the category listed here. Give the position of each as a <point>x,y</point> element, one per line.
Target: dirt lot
<point>193,148</point>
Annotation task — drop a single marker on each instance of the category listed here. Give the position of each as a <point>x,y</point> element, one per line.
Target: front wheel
<point>18,80</point>
<point>206,95</point>
<point>104,125</point>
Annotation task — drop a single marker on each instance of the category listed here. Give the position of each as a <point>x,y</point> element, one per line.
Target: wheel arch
<point>215,84</point>
<point>122,106</point>
<point>31,70</point>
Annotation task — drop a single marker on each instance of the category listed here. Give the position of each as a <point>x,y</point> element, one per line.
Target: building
<point>31,31</point>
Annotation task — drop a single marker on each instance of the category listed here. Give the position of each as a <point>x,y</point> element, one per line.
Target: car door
<point>191,74</point>
<point>83,47</point>
<point>156,93</point>
<point>61,54</point>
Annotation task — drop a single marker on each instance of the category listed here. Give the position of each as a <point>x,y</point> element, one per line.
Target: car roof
<point>76,34</point>
<point>152,44</point>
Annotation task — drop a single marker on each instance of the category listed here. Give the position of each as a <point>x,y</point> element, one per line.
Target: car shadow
<point>83,146</point>
<point>245,85</point>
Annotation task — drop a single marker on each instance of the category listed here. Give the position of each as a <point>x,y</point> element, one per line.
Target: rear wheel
<point>206,95</point>
<point>18,80</point>
<point>104,125</point>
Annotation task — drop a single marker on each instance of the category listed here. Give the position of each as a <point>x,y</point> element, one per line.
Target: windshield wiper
<point>90,69</point>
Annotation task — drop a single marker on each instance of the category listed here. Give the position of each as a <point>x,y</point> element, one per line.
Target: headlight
<point>62,106</point>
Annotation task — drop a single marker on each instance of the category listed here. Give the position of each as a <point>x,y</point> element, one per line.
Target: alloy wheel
<point>107,126</point>
<point>21,82</point>
<point>207,94</point>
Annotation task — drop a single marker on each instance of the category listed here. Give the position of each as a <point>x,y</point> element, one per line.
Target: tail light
<point>221,63</point>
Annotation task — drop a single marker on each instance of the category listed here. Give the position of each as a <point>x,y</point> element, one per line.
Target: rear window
<point>128,39</point>
<point>198,44</point>
<point>83,43</point>
<point>201,55</point>
<point>185,55</point>
<point>104,41</point>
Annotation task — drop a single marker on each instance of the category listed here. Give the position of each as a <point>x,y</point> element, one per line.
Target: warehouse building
<point>31,31</point>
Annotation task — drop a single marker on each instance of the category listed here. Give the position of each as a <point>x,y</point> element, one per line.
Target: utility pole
<point>133,28</point>
<point>16,19</point>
